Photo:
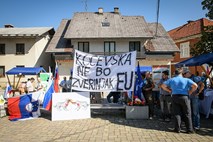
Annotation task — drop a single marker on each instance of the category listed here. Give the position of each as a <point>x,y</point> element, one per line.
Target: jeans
<point>195,111</point>
<point>149,100</point>
<point>165,104</point>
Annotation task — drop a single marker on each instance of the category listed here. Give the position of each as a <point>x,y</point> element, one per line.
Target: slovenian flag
<point>56,79</point>
<point>25,106</point>
<point>7,91</point>
<point>47,103</point>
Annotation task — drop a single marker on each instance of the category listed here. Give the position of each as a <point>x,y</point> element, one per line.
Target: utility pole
<point>158,10</point>
<point>85,4</point>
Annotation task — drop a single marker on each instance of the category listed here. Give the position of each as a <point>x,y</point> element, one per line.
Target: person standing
<point>194,98</point>
<point>165,98</point>
<point>69,84</point>
<point>29,85</point>
<point>181,88</point>
<point>147,91</point>
<point>63,84</point>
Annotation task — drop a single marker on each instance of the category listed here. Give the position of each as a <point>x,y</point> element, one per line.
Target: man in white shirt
<point>29,85</point>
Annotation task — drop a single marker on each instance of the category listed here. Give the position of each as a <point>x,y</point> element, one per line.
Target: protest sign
<point>70,105</point>
<point>103,73</point>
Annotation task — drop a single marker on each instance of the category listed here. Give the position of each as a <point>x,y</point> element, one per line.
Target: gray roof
<point>20,32</point>
<point>58,43</point>
<point>162,42</point>
<point>89,25</point>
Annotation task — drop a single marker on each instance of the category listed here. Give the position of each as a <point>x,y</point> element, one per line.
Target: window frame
<point>134,46</point>
<point>2,49</point>
<point>184,50</point>
<point>84,44</point>
<point>109,52</point>
<point>20,49</point>
<point>2,75</point>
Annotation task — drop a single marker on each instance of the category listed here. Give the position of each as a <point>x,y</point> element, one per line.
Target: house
<point>110,33</point>
<point>24,47</point>
<point>185,37</point>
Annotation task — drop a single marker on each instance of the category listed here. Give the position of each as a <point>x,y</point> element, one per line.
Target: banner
<point>103,73</point>
<point>68,106</point>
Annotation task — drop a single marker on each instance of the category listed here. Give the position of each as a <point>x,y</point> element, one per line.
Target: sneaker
<point>176,131</point>
<point>191,132</point>
<point>196,128</point>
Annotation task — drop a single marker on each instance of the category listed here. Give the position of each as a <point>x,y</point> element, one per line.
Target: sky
<point>49,13</point>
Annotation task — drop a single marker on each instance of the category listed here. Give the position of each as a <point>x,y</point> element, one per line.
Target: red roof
<point>189,29</point>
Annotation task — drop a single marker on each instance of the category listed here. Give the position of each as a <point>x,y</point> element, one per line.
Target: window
<point>109,48</point>
<point>184,50</point>
<point>2,71</point>
<point>83,46</point>
<point>2,49</point>
<point>135,46</point>
<point>19,48</point>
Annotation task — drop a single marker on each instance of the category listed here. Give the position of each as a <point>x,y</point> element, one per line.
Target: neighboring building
<point>110,33</point>
<point>24,47</point>
<point>185,37</point>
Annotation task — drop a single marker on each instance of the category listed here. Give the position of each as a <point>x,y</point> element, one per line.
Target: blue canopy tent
<point>197,60</point>
<point>23,71</point>
<point>144,68</point>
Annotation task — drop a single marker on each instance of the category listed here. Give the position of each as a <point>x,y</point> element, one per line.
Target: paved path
<point>104,126</point>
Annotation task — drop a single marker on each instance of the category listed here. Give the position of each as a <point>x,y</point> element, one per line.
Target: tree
<point>208,4</point>
<point>205,45</point>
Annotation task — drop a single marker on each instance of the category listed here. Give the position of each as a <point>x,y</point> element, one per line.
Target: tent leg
<point>207,75</point>
<point>8,80</point>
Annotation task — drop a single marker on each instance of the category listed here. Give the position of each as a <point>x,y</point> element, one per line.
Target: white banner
<point>68,106</point>
<point>103,73</point>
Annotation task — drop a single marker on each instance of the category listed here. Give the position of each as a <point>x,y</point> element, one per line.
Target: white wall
<point>97,45</point>
<point>34,54</point>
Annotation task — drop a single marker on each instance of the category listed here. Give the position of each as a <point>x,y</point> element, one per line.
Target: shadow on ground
<point>118,117</point>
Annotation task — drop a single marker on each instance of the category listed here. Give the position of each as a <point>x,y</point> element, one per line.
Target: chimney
<point>8,26</point>
<point>190,21</point>
<point>100,10</point>
<point>116,10</point>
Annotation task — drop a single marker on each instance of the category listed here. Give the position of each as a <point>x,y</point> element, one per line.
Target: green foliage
<point>208,5</point>
<point>205,45</point>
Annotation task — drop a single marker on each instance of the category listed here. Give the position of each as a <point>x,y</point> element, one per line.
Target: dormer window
<point>105,23</point>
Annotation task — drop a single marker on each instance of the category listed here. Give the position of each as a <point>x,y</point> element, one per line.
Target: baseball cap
<point>186,71</point>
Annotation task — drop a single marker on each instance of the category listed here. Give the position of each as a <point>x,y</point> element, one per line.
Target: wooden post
<point>14,81</point>
<point>207,75</point>
<point>8,80</point>
<point>18,81</point>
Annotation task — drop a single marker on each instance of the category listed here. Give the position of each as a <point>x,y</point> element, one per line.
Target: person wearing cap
<point>180,88</point>
<point>194,98</point>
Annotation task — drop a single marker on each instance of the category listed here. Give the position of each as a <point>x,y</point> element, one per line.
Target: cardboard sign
<point>68,106</point>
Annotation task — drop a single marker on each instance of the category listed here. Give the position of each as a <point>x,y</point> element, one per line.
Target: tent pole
<point>18,81</point>
<point>8,80</point>
<point>207,75</point>
<point>14,81</point>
